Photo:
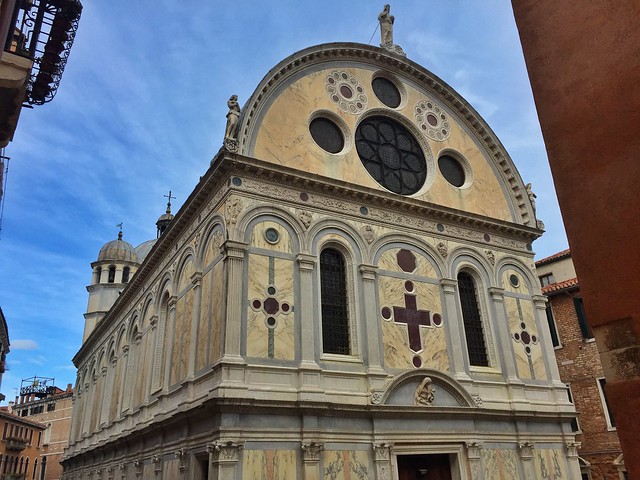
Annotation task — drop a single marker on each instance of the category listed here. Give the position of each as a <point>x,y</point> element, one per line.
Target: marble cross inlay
<point>412,317</point>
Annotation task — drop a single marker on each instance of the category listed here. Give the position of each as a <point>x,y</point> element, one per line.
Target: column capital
<point>473,450</point>
<point>172,302</point>
<point>526,450</point>
<point>234,249</point>
<point>153,321</point>
<point>311,451</point>
<point>225,452</point>
<point>540,301</point>
<point>369,272</point>
<point>306,261</point>
<point>382,452</point>
<point>497,294</point>
<point>448,285</point>
<point>572,449</point>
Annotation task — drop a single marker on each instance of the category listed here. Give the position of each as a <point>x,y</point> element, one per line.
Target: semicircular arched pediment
<point>428,388</point>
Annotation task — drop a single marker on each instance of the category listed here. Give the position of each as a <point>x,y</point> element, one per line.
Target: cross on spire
<point>119,225</point>
<point>169,197</point>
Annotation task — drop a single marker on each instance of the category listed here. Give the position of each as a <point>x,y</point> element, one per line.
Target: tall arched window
<point>335,312</point>
<point>125,274</point>
<point>472,319</point>
<point>112,274</point>
<point>98,274</point>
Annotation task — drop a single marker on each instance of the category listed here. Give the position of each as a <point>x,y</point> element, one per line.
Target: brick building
<point>580,368</point>
<point>52,408</point>
<point>20,447</point>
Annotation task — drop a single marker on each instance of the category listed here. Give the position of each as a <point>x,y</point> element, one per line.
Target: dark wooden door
<point>424,467</point>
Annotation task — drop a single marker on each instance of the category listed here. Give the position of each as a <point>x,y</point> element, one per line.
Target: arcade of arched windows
<point>172,334</point>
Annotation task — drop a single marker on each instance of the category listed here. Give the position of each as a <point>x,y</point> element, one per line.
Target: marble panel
<point>284,139</point>
<point>550,464</point>
<point>509,287</point>
<point>174,371</point>
<point>186,334</point>
<point>522,311</point>
<point>185,275</point>
<point>269,465</point>
<point>346,465</point>
<point>270,341</point>
<point>259,239</point>
<point>500,464</point>
<point>424,268</point>
<point>513,315</point>
<point>397,353</point>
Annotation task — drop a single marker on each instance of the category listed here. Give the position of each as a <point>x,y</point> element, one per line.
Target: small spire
<point>120,232</point>
<point>165,219</point>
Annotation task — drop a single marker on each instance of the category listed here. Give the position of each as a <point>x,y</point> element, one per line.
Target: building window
<point>611,422</point>
<point>112,274</point>
<point>575,426</point>
<point>546,279</point>
<point>582,318</point>
<point>555,340</point>
<point>333,290</point>
<point>472,320</point>
<point>98,274</point>
<point>125,275</point>
<point>51,407</point>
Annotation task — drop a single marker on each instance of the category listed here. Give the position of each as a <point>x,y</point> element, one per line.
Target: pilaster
<point>571,449</point>
<point>502,322</point>
<point>382,459</point>
<point>540,304</point>
<point>473,455</point>
<point>456,324</point>
<point>526,457</point>
<point>196,280</point>
<point>234,266</point>
<point>369,274</point>
<point>223,457</point>
<point>168,352</point>
<point>311,460</point>
<point>309,369</point>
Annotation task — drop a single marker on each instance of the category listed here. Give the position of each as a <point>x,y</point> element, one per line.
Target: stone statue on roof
<point>230,132</point>
<point>386,31</point>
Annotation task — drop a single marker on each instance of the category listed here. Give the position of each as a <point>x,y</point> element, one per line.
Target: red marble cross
<point>413,318</point>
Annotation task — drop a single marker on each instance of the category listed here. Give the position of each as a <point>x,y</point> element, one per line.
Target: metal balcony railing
<point>44,31</point>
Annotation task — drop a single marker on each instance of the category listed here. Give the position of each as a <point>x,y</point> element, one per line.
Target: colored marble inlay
<point>406,260</point>
<point>413,318</point>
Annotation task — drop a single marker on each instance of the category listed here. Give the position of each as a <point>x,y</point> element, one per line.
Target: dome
<point>143,249</point>
<point>118,250</point>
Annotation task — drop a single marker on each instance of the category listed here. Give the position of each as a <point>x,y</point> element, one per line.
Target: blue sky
<point>141,111</point>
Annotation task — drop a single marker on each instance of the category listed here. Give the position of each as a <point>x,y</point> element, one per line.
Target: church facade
<point>348,292</point>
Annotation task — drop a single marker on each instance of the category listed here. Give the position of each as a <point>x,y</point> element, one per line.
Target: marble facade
<point>210,364</point>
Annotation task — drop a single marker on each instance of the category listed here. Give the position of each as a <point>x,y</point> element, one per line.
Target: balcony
<point>37,35</point>
<point>16,444</point>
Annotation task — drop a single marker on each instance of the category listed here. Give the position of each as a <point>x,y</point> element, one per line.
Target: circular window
<point>272,235</point>
<point>391,155</point>
<point>271,322</point>
<point>451,170</point>
<point>386,92</point>
<point>513,280</point>
<point>327,134</point>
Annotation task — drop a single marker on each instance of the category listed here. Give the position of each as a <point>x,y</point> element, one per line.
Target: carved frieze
<point>425,393</point>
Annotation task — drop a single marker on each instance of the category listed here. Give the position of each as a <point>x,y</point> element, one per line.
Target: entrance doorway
<point>424,467</point>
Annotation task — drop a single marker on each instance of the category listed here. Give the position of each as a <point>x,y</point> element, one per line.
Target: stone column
<point>572,459</point>
<point>382,459</point>
<point>502,327</point>
<point>473,455</point>
<point>540,303</point>
<point>455,326</point>
<point>372,322</point>
<point>224,458</point>
<point>118,276</point>
<point>234,266</point>
<point>526,457</point>
<point>196,280</point>
<point>311,460</point>
<point>170,333</point>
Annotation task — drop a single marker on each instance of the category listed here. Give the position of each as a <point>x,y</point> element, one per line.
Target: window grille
<point>472,321</point>
<point>335,317</point>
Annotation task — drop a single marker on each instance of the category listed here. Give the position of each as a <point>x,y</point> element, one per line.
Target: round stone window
<point>272,235</point>
<point>327,134</point>
<point>386,91</point>
<point>514,281</point>
<point>451,170</point>
<point>391,155</point>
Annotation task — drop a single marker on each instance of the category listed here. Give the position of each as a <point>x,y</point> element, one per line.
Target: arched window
<point>125,275</point>
<point>112,274</point>
<point>472,320</point>
<point>98,274</point>
<point>335,313</point>
<point>35,467</point>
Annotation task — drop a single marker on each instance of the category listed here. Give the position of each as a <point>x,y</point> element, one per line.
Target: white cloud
<point>24,345</point>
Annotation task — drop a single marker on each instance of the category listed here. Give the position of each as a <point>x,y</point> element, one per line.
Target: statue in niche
<point>230,132</point>
<point>386,26</point>
<point>425,393</point>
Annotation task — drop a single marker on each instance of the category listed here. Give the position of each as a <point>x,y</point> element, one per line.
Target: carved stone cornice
<point>448,285</point>
<point>306,262</point>
<point>369,272</point>
<point>497,294</point>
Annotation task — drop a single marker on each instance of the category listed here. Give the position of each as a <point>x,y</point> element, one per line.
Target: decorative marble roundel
<point>432,120</point>
<point>346,91</point>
